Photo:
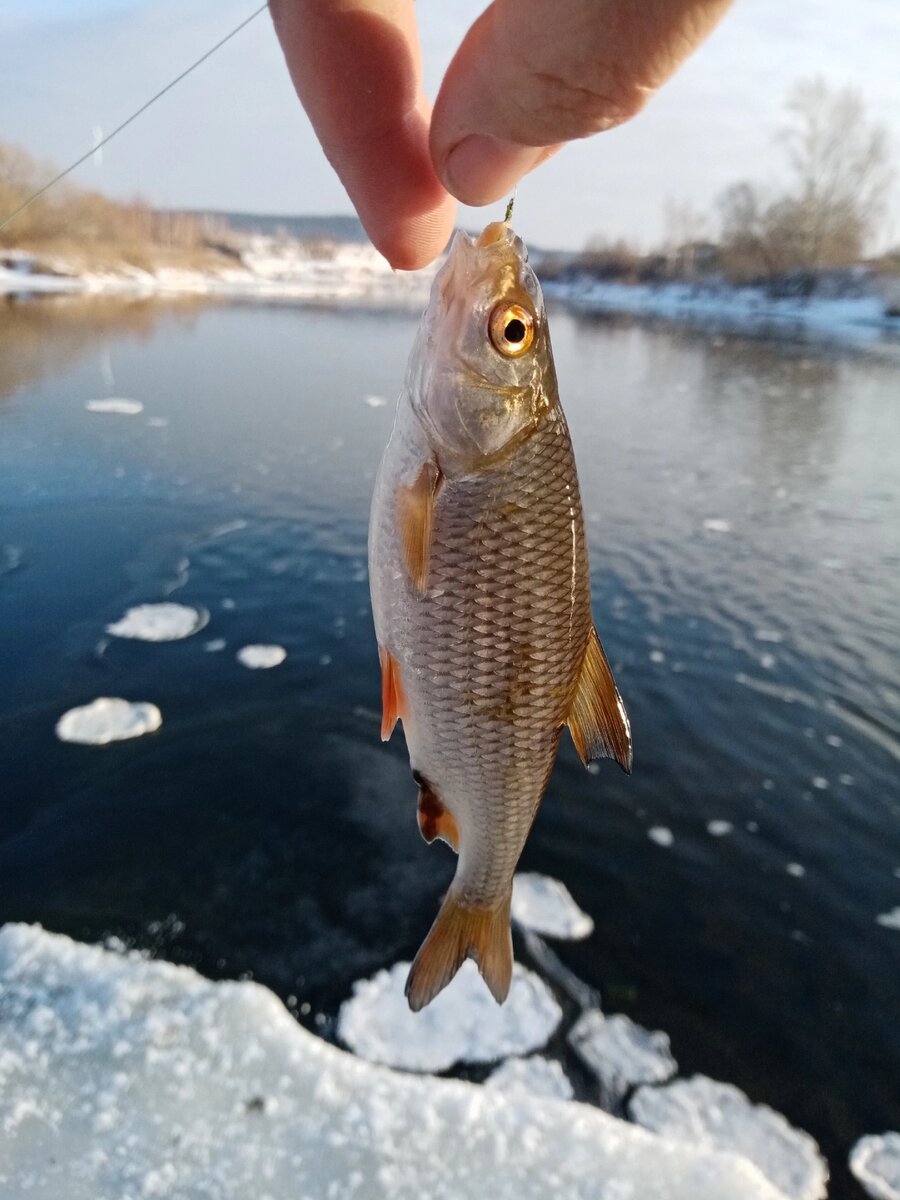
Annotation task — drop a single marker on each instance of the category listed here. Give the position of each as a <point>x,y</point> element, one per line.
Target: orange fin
<point>393,698</point>
<point>415,513</point>
<point>435,821</point>
<point>598,721</point>
<point>458,933</point>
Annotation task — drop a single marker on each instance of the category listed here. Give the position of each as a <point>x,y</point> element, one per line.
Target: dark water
<point>266,830</point>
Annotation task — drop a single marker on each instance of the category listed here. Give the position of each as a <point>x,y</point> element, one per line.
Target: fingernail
<point>482,169</point>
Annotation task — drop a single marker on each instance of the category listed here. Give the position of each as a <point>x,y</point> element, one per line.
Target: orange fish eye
<point>512,329</point>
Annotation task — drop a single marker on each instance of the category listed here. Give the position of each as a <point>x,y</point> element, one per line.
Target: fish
<point>480,590</point>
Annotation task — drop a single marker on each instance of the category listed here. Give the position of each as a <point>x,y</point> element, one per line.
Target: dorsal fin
<point>415,516</point>
<point>598,722</point>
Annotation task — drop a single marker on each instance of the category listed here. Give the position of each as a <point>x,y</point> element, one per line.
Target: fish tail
<point>460,932</point>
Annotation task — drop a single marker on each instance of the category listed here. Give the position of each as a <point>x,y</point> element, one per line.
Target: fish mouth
<point>498,254</point>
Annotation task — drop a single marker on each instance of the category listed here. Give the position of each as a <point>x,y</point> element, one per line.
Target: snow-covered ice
<point>719,828</point>
<point>890,920</point>
<point>546,906</point>
<point>126,1077</point>
<point>259,657</point>
<point>535,1076</point>
<point>463,1024</point>
<point>119,405</point>
<point>661,835</point>
<point>717,525</point>
<point>108,719</point>
<point>159,622</point>
<point>875,1161</point>
<point>719,1116</point>
<point>620,1052</point>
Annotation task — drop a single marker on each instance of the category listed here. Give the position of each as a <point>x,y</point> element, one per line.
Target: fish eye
<point>511,328</point>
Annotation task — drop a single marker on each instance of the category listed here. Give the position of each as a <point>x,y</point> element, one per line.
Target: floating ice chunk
<point>374,401</point>
<point>661,835</point>
<point>719,828</point>
<point>104,1055</point>
<point>115,404</point>
<point>546,906</point>
<point>717,525</point>
<point>768,635</point>
<point>621,1053</point>
<point>890,920</point>
<point>108,719</point>
<point>718,1116</point>
<point>657,656</point>
<point>10,559</point>
<point>534,1076</point>
<point>875,1161</point>
<point>157,422</point>
<point>820,783</point>
<point>261,657</point>
<point>796,869</point>
<point>214,645</point>
<point>464,1023</point>
<point>159,622</point>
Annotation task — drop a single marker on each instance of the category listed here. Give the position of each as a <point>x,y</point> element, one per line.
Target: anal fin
<point>460,932</point>
<point>393,698</point>
<point>415,516</point>
<point>598,722</point>
<point>435,820</point>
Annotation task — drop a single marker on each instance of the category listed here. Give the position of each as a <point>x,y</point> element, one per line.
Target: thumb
<point>533,74</point>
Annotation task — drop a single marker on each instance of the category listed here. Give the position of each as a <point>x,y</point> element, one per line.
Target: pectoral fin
<point>598,721</point>
<point>415,515</point>
<point>393,698</point>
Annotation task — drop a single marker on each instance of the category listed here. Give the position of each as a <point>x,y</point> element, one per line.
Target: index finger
<point>356,67</point>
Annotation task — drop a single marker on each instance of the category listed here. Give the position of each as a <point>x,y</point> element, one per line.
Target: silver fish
<point>481,593</point>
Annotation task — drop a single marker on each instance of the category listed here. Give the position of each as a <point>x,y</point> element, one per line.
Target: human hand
<point>529,76</point>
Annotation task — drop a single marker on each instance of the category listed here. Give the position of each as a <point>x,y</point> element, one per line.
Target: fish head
<point>481,374</point>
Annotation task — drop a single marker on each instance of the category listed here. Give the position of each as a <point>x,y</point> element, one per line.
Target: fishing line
<point>109,137</point>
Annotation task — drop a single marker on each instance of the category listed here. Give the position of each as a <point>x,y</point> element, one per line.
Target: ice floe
<point>159,622</point>
<point>535,1076</point>
<point>717,525</point>
<point>890,920</point>
<point>108,719</point>
<point>875,1161</point>
<point>620,1052</point>
<point>719,1116</point>
<point>546,906</point>
<point>214,645</point>
<point>719,828</point>
<point>464,1023</point>
<point>259,657</point>
<point>661,835</point>
<point>374,401</point>
<point>128,1077</point>
<point>115,404</point>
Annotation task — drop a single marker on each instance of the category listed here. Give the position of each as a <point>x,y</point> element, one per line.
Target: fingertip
<point>482,169</point>
<point>411,242</point>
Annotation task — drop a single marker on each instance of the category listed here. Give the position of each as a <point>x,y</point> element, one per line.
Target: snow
<point>534,1076</point>
<point>719,828</point>
<point>717,525</point>
<point>374,401</point>
<point>719,1116</point>
<point>259,657</point>
<point>546,906</point>
<point>115,404</point>
<point>890,920</point>
<point>620,1052</point>
<point>108,719</point>
<point>463,1024</point>
<point>159,622</point>
<point>122,1077</point>
<point>661,836</point>
<point>875,1161</point>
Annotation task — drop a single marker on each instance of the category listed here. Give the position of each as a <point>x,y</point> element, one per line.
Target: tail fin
<point>458,933</point>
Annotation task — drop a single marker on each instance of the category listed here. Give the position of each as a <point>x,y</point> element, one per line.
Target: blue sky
<point>233,135</point>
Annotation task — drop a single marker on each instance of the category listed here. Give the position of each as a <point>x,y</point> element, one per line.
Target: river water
<point>742,499</point>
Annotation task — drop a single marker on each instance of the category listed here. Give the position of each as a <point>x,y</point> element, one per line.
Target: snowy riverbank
<point>265,268</point>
